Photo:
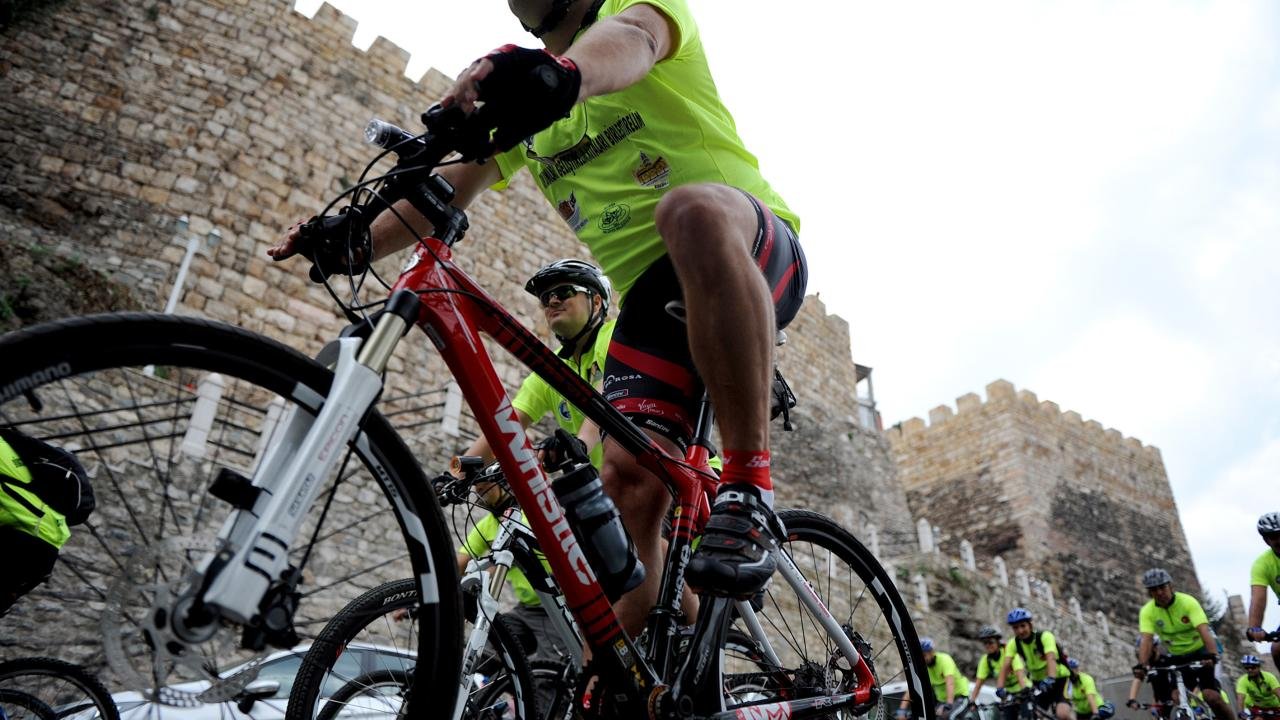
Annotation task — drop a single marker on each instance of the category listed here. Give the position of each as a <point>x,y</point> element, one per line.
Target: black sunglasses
<point>561,293</point>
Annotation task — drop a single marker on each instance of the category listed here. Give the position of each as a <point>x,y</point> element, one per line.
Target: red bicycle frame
<point>454,310</point>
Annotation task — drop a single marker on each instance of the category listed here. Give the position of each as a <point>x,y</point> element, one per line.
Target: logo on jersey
<point>653,173</point>
<point>571,213</point>
<point>563,410</point>
<point>1186,620</point>
<point>1159,623</point>
<point>615,217</point>
<point>590,147</point>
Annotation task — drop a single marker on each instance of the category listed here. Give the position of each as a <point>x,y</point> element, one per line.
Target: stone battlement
<point>1002,394</point>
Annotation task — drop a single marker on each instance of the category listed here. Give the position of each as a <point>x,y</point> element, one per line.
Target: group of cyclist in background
<point>1034,676</point>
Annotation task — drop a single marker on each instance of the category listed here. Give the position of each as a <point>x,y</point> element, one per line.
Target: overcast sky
<point>1081,197</point>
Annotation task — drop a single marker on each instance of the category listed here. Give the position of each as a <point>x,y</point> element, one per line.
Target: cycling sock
<point>749,467</point>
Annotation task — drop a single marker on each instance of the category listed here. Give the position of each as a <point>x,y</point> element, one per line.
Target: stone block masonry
<point>1082,507</point>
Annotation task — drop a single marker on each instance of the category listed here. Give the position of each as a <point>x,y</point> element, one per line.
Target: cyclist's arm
<point>589,434</point>
<point>1257,604</point>
<point>951,688</point>
<point>977,685</point>
<point>1210,645</point>
<point>620,50</point>
<point>1004,671</point>
<point>1051,664</point>
<point>1144,649</point>
<point>1021,674</point>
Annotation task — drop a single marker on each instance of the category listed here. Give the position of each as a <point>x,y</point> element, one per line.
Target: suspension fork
<point>254,541</point>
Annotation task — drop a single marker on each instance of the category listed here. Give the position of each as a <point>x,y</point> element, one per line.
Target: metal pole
<point>193,244</point>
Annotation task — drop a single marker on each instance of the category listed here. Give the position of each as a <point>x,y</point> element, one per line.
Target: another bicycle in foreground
<point>212,549</point>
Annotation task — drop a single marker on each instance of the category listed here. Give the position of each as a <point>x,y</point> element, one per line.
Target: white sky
<point>1080,196</point>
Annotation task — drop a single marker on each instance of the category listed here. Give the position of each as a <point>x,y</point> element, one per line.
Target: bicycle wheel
<point>122,392</point>
<point>17,705</point>
<point>860,595</point>
<point>374,637</point>
<point>555,682</point>
<point>380,693</point>
<point>61,685</point>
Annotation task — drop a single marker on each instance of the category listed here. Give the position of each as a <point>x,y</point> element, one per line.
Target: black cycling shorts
<point>649,375</point>
<point>1202,678</point>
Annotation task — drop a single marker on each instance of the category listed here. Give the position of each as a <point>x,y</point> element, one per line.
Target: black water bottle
<point>598,525</point>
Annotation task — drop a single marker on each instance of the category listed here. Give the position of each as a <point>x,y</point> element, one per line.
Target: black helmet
<point>988,632</point>
<point>573,272</point>
<point>1155,577</point>
<point>556,11</point>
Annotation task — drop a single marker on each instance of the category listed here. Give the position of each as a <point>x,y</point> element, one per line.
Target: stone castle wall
<point>1080,506</point>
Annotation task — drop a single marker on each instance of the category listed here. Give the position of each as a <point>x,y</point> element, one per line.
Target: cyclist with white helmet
<point>1257,689</point>
<point>575,303</point>
<point>1183,625</point>
<point>1083,693</point>
<point>1265,573</point>
<point>950,686</point>
<point>993,656</point>
<point>1039,650</point>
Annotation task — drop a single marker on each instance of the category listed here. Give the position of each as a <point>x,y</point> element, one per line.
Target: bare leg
<point>1221,710</point>
<point>708,230</point>
<point>642,501</point>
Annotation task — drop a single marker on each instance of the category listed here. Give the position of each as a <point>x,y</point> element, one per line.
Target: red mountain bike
<point>199,560</point>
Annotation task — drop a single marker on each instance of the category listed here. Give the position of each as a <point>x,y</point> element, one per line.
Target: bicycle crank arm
<point>257,539</point>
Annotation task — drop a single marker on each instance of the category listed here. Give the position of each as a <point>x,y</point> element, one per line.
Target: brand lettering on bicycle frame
<point>518,444</point>
<point>338,429</point>
<point>776,711</point>
<point>37,378</point>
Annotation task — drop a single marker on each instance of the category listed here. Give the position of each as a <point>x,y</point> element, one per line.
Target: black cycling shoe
<point>735,557</point>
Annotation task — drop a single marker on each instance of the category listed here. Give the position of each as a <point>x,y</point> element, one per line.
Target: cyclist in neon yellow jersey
<point>574,296</point>
<point>1182,624</point>
<point>950,686</point>
<point>993,656</point>
<point>1257,689</point>
<point>627,138</point>
<point>1265,573</point>
<point>1039,650</point>
<point>1083,693</point>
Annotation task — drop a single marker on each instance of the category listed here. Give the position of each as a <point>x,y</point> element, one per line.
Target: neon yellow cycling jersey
<point>989,669</point>
<point>1266,571</point>
<point>481,538</point>
<point>536,398</point>
<point>1176,625</point>
<point>605,167</point>
<point>1037,665</point>
<point>943,665</point>
<point>1078,692</point>
<point>1259,693</point>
